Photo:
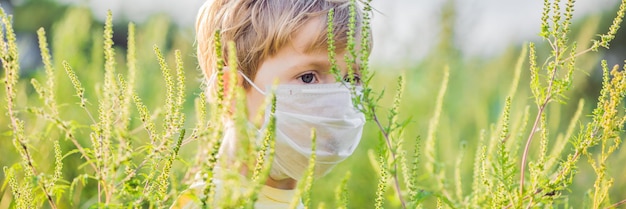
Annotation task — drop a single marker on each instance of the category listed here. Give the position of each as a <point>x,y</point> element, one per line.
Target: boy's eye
<point>308,78</point>
<point>356,79</point>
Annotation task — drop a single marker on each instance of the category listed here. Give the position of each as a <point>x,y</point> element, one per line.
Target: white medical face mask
<point>328,109</point>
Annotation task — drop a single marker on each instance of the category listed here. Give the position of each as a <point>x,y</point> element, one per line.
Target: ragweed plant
<point>498,154</point>
<point>559,71</point>
<point>10,63</point>
<point>365,100</point>
<point>123,173</point>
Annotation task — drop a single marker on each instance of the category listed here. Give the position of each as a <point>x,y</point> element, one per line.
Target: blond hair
<point>259,28</point>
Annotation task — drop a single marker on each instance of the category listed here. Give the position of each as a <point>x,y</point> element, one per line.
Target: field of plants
<point>114,115</point>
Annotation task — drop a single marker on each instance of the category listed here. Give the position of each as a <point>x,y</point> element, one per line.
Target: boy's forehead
<point>312,37</point>
<point>307,37</point>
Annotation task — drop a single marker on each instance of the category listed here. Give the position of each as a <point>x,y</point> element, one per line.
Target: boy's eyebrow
<point>317,64</point>
<point>325,65</point>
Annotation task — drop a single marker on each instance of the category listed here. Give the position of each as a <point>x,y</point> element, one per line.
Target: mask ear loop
<point>211,80</point>
<point>259,138</point>
<point>208,86</point>
<point>251,83</point>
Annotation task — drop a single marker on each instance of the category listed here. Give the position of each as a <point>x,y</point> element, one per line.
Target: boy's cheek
<point>254,101</point>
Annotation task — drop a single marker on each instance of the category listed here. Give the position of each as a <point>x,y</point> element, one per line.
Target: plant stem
<point>529,196</point>
<point>542,107</point>
<point>14,125</point>
<point>617,204</point>
<point>574,158</point>
<point>393,157</point>
<point>578,54</point>
<point>527,147</point>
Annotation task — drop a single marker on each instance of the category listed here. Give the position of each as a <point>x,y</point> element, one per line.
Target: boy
<point>286,40</point>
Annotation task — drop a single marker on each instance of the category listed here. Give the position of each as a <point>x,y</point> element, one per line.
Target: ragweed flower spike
<point>47,62</point>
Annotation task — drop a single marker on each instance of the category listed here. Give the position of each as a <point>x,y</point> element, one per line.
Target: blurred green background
<point>479,82</point>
